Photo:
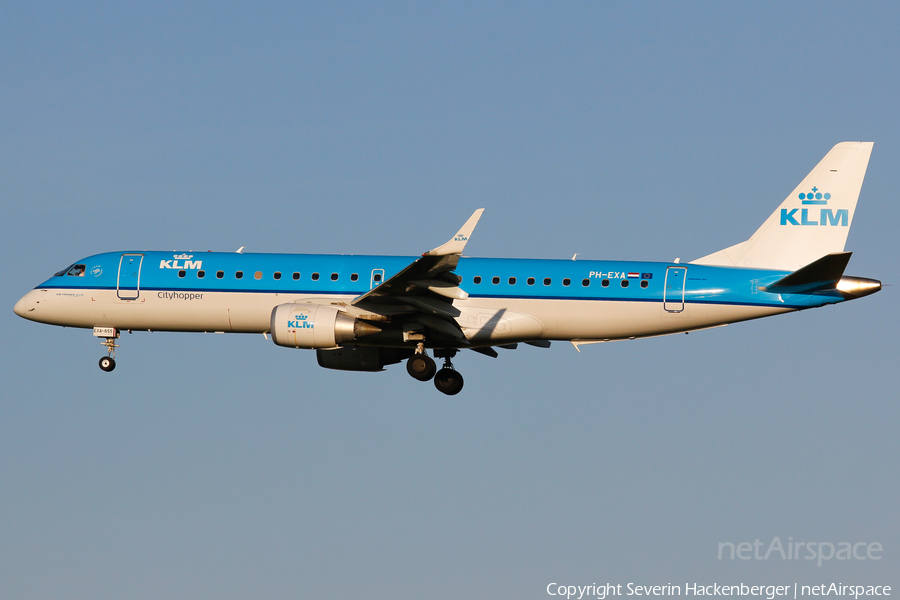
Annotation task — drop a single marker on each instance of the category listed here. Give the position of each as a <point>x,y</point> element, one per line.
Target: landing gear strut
<point>448,380</point>
<point>108,363</point>
<point>420,365</point>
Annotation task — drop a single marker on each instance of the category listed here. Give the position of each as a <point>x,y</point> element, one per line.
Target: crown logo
<point>183,256</point>
<point>815,197</point>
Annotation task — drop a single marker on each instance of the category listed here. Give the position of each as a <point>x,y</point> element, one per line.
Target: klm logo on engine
<point>807,216</point>
<point>301,322</point>
<point>188,263</point>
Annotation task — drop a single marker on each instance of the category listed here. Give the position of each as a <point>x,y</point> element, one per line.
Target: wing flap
<point>448,327</point>
<point>442,288</point>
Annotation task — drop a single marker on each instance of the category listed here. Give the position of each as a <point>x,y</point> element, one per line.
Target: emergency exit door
<point>377,278</point>
<point>673,293</point>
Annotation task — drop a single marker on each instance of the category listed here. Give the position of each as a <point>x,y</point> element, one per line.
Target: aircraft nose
<point>24,306</point>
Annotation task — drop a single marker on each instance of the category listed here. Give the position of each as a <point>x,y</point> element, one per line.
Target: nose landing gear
<point>108,363</point>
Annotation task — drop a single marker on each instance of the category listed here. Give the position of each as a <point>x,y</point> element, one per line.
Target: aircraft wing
<point>428,285</point>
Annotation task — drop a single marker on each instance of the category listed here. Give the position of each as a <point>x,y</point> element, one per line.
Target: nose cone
<point>19,308</point>
<point>25,306</point>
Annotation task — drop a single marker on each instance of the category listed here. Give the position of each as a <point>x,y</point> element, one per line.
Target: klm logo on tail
<point>807,216</point>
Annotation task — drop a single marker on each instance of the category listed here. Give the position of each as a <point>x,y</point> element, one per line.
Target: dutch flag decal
<point>633,275</point>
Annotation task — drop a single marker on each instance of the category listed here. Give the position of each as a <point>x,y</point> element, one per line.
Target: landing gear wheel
<point>108,363</point>
<point>421,367</point>
<point>448,381</point>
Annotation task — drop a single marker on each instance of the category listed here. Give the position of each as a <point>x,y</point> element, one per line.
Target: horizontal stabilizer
<point>823,274</point>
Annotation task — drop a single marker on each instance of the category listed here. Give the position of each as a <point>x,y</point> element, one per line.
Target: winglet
<point>458,243</point>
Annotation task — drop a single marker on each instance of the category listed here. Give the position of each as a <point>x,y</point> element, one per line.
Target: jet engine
<point>315,326</point>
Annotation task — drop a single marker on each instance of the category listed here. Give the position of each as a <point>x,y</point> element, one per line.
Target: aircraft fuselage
<point>508,300</point>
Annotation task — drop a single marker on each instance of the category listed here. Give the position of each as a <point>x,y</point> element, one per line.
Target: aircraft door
<point>129,285</point>
<point>673,293</point>
<point>377,278</point>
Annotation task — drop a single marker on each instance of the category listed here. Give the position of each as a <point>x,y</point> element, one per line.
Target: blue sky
<point>226,467</point>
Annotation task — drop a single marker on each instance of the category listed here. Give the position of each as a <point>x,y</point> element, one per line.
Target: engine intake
<point>315,326</point>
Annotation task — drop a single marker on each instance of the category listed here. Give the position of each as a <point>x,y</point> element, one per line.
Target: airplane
<point>363,313</point>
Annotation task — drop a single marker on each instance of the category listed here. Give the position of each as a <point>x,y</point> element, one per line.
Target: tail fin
<point>812,222</point>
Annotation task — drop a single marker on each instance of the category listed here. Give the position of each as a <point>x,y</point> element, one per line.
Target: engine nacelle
<point>315,326</point>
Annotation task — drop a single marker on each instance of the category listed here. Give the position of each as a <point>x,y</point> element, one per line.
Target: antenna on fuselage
<point>575,255</point>
<point>240,250</point>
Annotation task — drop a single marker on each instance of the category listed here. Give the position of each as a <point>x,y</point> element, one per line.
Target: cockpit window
<point>76,271</point>
<point>63,272</point>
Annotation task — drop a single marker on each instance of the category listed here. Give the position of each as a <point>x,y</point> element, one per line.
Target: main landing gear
<point>448,380</point>
<point>422,367</point>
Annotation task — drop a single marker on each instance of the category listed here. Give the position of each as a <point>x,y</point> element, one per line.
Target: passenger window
<point>605,283</point>
<point>645,283</point>
<point>530,281</point>
<point>315,276</point>
<point>512,281</point>
<point>220,274</point>
<point>495,280</point>
<point>354,276</point>
<point>201,274</point>
<point>76,271</point>
<point>181,273</point>
<point>296,276</point>
<point>334,276</point>
<point>257,275</point>
<point>476,279</point>
<point>377,277</point>
<point>239,275</point>
<point>276,275</point>
<point>546,281</point>
<point>585,282</point>
<point>567,281</point>
<point>624,283</point>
